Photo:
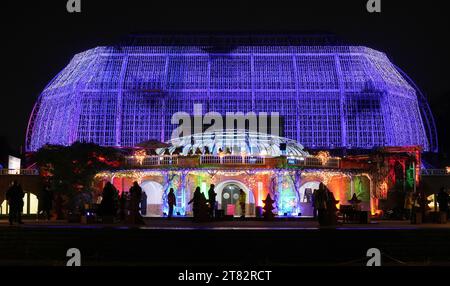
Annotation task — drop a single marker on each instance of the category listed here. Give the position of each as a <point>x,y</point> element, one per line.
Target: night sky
<point>41,37</point>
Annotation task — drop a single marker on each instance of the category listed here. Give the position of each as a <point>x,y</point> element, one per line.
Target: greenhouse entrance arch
<point>228,198</point>
<point>154,192</point>
<point>305,192</point>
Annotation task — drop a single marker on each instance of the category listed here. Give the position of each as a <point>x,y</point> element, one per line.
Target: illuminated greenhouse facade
<point>329,97</point>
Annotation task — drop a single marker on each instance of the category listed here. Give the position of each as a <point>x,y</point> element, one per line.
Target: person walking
<point>242,200</point>
<point>171,201</point>
<point>196,203</point>
<point>212,201</point>
<point>14,196</point>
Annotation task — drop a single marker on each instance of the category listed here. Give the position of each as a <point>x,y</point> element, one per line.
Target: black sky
<point>40,37</point>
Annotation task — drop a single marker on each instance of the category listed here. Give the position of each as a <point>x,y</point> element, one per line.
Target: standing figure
<point>442,199</point>
<point>14,196</point>
<point>313,203</point>
<point>144,204</point>
<point>123,205</point>
<point>212,201</point>
<point>107,205</point>
<point>320,203</point>
<point>59,206</point>
<point>242,200</point>
<point>45,202</point>
<point>171,201</point>
<point>408,206</point>
<point>196,202</point>
<point>135,194</point>
<point>331,207</point>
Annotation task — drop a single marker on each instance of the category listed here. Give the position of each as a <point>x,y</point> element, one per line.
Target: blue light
<point>329,96</point>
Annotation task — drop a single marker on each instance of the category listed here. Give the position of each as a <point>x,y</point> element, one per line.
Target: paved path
<point>181,242</point>
<point>237,224</point>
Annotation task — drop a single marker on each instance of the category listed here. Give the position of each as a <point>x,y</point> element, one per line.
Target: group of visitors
<point>203,208</point>
<point>15,197</point>
<point>128,206</point>
<point>324,204</point>
<point>415,202</point>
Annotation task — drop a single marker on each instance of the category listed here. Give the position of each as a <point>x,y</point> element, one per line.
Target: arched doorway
<point>154,192</point>
<point>228,194</point>
<point>305,192</point>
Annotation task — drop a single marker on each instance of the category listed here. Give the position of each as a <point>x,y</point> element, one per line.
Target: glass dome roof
<point>238,142</point>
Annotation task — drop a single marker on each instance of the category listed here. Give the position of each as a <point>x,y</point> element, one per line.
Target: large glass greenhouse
<point>329,96</point>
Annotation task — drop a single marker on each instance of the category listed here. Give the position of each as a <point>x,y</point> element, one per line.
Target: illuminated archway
<point>250,198</point>
<point>306,191</point>
<point>154,192</point>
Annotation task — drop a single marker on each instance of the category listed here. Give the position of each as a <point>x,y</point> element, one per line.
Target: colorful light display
<point>283,185</point>
<point>329,96</point>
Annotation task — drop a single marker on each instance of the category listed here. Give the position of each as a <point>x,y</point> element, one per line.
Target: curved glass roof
<point>328,96</point>
<point>238,142</point>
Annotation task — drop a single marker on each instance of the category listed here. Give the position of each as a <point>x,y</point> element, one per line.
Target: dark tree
<point>70,170</point>
<point>268,207</point>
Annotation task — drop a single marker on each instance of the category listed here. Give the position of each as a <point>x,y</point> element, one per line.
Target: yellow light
<point>323,156</point>
<point>260,190</point>
<point>204,187</point>
<point>431,204</point>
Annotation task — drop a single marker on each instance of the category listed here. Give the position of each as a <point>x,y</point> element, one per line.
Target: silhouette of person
<point>331,207</point>
<point>442,199</point>
<point>355,202</point>
<point>45,202</point>
<point>123,205</point>
<point>196,198</point>
<point>107,205</point>
<point>171,201</point>
<point>135,199</point>
<point>203,207</point>
<point>408,205</point>
<point>313,203</point>
<point>144,203</point>
<point>14,196</point>
<point>59,205</point>
<point>320,202</point>
<point>212,201</point>
<point>308,195</point>
<point>242,200</point>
